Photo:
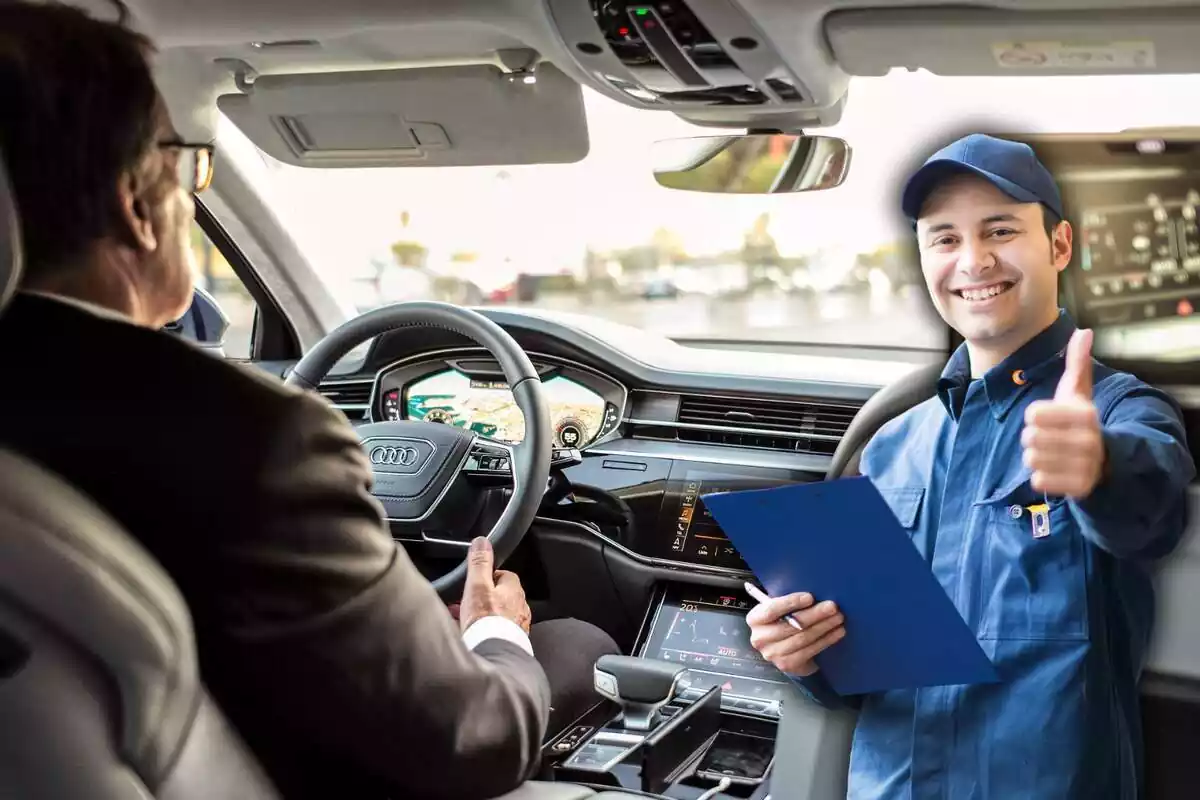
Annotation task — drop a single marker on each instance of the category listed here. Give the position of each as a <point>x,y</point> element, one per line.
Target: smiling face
<point>990,266</point>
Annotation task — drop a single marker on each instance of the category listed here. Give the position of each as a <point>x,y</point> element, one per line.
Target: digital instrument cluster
<point>583,406</point>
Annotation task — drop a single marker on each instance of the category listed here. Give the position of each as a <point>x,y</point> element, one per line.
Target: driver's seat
<point>100,695</point>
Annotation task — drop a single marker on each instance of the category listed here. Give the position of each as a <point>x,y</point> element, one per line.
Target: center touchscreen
<point>706,630</point>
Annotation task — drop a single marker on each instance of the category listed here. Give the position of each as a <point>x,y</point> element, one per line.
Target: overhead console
<point>679,55</point>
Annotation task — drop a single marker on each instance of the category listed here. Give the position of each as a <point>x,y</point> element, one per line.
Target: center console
<point>696,707</point>
<point>694,711</point>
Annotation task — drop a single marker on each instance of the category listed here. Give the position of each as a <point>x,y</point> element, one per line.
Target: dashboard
<point>638,447</point>
<point>657,431</point>
<point>655,449</point>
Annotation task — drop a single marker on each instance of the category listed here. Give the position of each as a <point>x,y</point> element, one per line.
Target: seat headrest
<point>10,239</point>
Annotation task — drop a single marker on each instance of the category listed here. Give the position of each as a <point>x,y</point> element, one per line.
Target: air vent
<point>803,426</point>
<point>351,396</point>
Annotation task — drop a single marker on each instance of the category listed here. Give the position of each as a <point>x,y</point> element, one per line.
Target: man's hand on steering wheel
<point>490,592</point>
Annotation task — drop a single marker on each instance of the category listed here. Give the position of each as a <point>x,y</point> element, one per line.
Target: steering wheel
<point>886,404</point>
<point>427,474</point>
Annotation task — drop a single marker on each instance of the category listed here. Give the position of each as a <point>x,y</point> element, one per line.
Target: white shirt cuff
<point>486,628</point>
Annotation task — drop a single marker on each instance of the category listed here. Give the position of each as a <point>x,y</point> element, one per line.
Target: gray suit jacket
<point>322,642</point>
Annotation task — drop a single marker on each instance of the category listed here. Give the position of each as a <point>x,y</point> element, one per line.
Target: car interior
<point>582,446</point>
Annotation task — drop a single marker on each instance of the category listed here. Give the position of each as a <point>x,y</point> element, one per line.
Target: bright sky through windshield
<point>610,199</point>
<point>541,219</point>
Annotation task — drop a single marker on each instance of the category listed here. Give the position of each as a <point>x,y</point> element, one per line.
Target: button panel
<point>611,419</point>
<point>572,739</point>
<point>565,457</point>
<point>606,684</point>
<point>489,460</point>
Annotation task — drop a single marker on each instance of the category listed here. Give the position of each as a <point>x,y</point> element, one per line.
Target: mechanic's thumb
<point>480,562</point>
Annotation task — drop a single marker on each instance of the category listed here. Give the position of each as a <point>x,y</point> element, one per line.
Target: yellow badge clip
<point>1040,514</point>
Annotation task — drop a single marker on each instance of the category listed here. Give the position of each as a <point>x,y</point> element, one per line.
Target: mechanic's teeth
<point>983,294</point>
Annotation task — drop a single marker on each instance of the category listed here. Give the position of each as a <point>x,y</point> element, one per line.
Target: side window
<point>217,278</point>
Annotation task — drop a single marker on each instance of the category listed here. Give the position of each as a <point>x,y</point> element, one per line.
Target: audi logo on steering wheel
<point>395,456</point>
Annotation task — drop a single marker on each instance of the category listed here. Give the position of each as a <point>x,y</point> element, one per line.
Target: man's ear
<point>1061,244</point>
<point>134,208</point>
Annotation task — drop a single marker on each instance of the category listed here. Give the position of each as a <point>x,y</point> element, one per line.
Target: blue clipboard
<point>840,541</point>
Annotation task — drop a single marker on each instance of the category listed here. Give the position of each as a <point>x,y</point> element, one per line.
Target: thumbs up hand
<point>1062,442</point>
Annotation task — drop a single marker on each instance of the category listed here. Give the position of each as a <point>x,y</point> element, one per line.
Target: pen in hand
<point>763,597</point>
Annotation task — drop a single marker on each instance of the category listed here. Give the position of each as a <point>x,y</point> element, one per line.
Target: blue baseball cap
<point>1012,167</point>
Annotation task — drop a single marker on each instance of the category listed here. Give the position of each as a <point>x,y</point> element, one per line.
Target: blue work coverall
<point>1065,611</point>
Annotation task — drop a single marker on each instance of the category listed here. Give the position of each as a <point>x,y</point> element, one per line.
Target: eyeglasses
<point>195,163</point>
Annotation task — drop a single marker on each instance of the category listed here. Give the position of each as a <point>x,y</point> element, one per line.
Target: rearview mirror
<point>751,164</point>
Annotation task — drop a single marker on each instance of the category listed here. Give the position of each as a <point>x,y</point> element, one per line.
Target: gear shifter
<point>640,686</point>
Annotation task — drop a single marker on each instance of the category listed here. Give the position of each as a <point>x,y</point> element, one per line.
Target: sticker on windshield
<point>1074,55</point>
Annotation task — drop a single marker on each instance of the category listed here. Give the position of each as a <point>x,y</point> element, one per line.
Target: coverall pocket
<point>905,502</point>
<point>1033,576</point>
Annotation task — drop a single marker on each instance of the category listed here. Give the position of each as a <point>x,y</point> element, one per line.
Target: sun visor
<point>968,41</point>
<point>443,116</point>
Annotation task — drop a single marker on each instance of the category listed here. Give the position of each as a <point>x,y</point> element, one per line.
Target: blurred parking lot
<point>851,318</point>
<point>900,319</point>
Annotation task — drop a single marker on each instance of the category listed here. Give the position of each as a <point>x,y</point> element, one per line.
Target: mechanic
<point>332,655</point>
<point>1047,486</point>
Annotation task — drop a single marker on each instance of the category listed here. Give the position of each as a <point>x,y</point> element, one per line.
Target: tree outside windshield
<point>602,238</point>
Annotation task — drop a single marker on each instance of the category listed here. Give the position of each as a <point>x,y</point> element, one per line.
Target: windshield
<point>600,237</point>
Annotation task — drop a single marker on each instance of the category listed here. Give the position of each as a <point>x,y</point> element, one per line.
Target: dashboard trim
<point>700,426</point>
<point>650,561</point>
<point>435,355</point>
<point>849,406</point>
<point>820,463</point>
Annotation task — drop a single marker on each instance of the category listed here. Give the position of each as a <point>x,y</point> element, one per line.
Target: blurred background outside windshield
<point>601,237</point>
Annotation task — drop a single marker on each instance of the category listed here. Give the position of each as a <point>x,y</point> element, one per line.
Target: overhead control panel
<point>676,54</point>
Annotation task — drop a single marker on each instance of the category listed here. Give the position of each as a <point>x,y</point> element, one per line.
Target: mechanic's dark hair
<point>78,104</point>
<point>1050,220</point>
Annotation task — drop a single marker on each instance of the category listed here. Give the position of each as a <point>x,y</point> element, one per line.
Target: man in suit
<point>333,656</point>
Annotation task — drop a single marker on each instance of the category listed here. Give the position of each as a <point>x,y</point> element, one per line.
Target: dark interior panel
<point>578,583</point>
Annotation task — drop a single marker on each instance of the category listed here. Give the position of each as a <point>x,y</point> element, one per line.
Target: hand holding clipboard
<point>813,629</point>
